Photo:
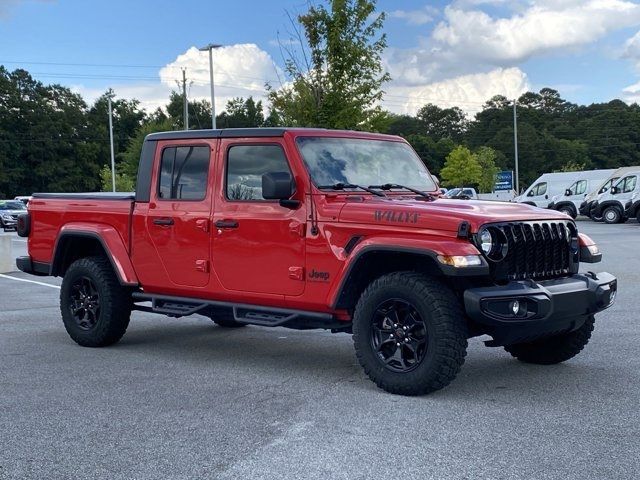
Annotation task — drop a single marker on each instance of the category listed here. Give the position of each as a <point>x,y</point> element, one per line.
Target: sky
<point>459,52</point>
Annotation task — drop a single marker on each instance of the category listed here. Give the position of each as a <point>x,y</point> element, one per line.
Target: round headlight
<point>486,242</point>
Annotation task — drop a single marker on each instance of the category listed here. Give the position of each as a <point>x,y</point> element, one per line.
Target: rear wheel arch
<point>373,262</point>
<point>72,246</point>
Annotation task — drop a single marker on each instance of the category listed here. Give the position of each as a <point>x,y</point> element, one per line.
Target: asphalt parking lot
<point>183,398</point>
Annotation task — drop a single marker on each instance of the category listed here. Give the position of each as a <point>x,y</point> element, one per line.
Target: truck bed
<point>50,212</point>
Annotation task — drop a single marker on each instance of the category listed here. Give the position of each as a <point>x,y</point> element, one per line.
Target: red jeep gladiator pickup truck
<point>311,228</point>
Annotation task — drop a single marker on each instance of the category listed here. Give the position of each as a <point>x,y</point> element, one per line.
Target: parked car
<point>612,205</point>
<point>24,199</point>
<point>9,211</point>
<point>632,209</point>
<point>540,192</point>
<point>586,207</point>
<point>462,193</point>
<point>314,228</point>
<point>570,200</point>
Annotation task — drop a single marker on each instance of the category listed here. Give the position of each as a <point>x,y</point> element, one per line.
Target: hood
<point>440,214</point>
<point>12,212</point>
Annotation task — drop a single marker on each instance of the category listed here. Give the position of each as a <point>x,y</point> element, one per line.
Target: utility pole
<point>184,97</point>
<point>515,143</point>
<point>210,48</point>
<point>113,161</point>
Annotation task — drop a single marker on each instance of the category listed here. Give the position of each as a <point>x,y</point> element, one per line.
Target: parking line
<point>29,281</point>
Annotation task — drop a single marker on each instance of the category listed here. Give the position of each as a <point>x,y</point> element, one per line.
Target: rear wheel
<point>556,349</point>
<point>409,333</point>
<point>612,215</point>
<point>95,307</point>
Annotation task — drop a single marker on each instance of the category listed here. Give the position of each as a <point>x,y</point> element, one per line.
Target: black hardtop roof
<point>257,132</point>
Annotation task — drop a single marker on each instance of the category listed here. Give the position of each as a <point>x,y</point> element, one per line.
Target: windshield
<point>364,162</point>
<point>12,206</point>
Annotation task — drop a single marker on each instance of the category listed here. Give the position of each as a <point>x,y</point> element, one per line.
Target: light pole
<point>210,48</point>
<point>110,95</point>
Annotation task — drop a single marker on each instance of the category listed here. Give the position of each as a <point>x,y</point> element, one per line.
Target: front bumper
<point>585,208</point>
<point>9,224</point>
<point>525,310</point>
<point>632,209</point>
<point>596,209</point>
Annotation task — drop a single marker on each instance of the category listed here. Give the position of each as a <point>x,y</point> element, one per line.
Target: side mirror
<point>530,194</point>
<point>279,186</point>
<point>567,193</point>
<point>615,190</point>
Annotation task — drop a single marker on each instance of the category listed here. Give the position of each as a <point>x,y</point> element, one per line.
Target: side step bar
<point>243,313</point>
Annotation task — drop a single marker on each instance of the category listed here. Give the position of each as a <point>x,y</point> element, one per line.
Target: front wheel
<point>556,349</point>
<point>409,333</point>
<point>568,211</point>
<point>95,307</point>
<point>612,215</point>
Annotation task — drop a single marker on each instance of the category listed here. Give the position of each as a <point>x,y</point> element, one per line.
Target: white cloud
<point>469,45</point>
<point>240,71</point>
<point>416,17</point>
<point>468,92</point>
<point>543,27</point>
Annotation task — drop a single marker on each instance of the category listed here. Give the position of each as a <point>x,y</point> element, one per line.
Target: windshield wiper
<point>343,186</point>
<point>389,186</point>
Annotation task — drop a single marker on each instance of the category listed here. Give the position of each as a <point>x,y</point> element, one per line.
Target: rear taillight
<point>24,225</point>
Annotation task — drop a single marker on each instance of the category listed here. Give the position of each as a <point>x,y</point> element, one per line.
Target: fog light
<point>515,307</point>
<point>460,261</point>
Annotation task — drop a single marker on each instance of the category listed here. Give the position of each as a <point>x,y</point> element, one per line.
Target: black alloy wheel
<point>85,303</point>
<point>399,336</point>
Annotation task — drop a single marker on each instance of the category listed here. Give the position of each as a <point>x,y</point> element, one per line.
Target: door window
<point>539,189</point>
<point>245,166</point>
<point>183,173</point>
<point>630,184</point>
<point>581,187</point>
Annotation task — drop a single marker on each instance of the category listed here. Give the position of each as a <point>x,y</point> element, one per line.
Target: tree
<point>461,169</point>
<point>130,158</point>
<point>338,82</point>
<point>486,157</point>
<point>124,183</point>
<point>199,112</point>
<point>241,113</point>
<point>442,122</point>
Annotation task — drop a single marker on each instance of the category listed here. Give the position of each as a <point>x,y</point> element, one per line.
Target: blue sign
<point>504,181</point>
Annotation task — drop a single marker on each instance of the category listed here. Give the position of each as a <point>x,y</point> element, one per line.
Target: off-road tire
<point>115,303</point>
<point>556,349</point>
<point>226,320</point>
<point>612,215</point>
<point>446,331</point>
<point>638,215</point>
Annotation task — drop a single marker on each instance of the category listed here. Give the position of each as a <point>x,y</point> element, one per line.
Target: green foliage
<point>442,122</point>
<point>124,182</point>
<point>131,156</point>
<point>337,76</point>
<point>461,169</point>
<point>241,113</point>
<point>486,158</point>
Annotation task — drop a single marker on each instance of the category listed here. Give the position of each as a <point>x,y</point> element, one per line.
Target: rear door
<point>178,220</point>
<point>258,245</point>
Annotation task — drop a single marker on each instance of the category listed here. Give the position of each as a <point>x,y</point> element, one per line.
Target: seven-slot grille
<point>536,250</point>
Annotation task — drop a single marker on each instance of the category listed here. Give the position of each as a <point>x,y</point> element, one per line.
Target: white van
<point>586,208</point>
<point>571,199</point>
<point>540,193</point>
<point>611,204</point>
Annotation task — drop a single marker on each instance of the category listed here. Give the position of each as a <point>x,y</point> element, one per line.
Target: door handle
<point>163,221</point>
<point>226,224</point>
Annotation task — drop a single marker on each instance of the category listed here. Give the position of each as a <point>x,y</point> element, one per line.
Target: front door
<point>178,220</point>
<point>258,245</point>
